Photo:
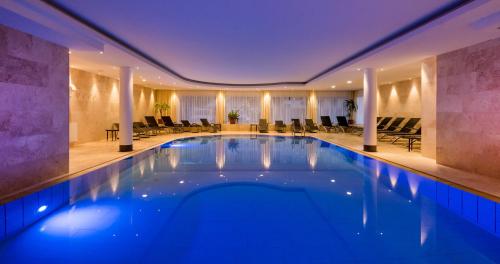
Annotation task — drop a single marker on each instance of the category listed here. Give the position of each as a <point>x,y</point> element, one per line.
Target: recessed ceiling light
<point>143,80</point>
<point>101,52</point>
<point>349,82</point>
<point>381,69</point>
<point>69,51</point>
<point>333,86</point>
<point>349,193</point>
<point>358,69</point>
<point>137,67</point>
<point>159,77</point>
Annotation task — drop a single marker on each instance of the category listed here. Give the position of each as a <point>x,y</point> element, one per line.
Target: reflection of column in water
<point>220,153</point>
<point>312,155</point>
<point>370,202</point>
<point>265,154</point>
<point>173,157</point>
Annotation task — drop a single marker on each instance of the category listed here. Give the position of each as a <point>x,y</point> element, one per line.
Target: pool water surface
<point>257,199</point>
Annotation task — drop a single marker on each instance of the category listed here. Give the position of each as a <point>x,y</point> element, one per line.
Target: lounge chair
<point>297,127</point>
<point>407,128</point>
<point>207,126</point>
<point>383,123</point>
<point>153,124</point>
<point>310,126</point>
<point>344,125</point>
<point>412,139</point>
<point>327,124</point>
<point>263,126</point>
<point>195,128</point>
<point>398,135</point>
<point>394,126</point>
<point>167,120</point>
<point>140,130</point>
<point>279,126</point>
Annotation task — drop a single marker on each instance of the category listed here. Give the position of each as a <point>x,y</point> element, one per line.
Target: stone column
<point>312,106</point>
<point>429,95</point>
<point>370,110</point>
<point>126,109</point>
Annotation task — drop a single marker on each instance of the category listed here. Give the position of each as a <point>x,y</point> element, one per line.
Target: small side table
<point>114,134</point>
<point>252,126</point>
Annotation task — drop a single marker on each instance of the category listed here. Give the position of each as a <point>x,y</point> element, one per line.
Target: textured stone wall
<point>468,108</point>
<point>428,75</point>
<point>94,101</point>
<point>401,98</point>
<point>33,110</point>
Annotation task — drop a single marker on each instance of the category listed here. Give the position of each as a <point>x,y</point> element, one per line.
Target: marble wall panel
<point>33,110</point>
<point>468,108</point>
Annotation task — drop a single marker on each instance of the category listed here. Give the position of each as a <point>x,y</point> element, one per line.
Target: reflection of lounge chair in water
<point>279,139</point>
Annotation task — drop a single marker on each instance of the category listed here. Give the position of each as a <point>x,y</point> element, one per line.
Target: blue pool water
<point>261,199</point>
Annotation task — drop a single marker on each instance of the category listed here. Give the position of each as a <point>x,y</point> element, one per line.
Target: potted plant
<point>161,108</point>
<point>233,116</point>
<point>350,107</point>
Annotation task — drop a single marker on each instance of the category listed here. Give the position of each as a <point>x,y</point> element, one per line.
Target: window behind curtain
<point>248,106</point>
<point>331,106</point>
<point>287,107</point>
<point>359,113</point>
<point>193,108</point>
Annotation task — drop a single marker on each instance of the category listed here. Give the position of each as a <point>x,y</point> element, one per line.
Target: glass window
<point>248,106</point>
<point>331,105</point>
<point>287,107</point>
<point>193,108</point>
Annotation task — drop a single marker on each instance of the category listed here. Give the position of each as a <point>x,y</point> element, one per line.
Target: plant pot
<point>232,120</point>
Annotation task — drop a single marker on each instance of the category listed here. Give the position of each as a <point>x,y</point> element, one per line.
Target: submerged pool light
<point>42,208</point>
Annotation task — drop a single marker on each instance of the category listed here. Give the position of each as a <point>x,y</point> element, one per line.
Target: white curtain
<point>287,107</point>
<point>194,107</point>
<point>248,106</point>
<point>332,105</point>
<point>359,113</point>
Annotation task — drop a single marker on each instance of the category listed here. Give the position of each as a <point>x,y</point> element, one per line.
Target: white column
<point>126,108</point>
<point>370,110</point>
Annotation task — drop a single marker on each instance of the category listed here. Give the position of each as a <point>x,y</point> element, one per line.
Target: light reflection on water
<point>259,200</point>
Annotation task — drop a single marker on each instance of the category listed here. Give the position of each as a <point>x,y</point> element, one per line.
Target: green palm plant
<point>161,108</point>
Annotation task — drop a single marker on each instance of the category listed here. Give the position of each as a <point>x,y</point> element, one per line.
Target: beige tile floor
<point>90,156</point>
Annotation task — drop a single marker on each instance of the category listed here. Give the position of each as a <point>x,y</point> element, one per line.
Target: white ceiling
<point>256,41</point>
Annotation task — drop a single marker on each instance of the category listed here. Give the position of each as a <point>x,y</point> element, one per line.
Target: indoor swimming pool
<point>250,199</point>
